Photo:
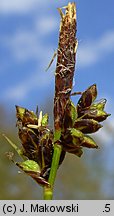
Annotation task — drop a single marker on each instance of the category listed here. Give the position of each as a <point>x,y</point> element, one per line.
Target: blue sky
<point>28,38</point>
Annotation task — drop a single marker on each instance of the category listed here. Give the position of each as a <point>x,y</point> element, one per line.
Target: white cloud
<point>46,24</point>
<point>106,43</point>
<point>11,6</point>
<point>95,50</point>
<point>26,45</point>
<point>23,45</point>
<point>29,44</point>
<point>22,89</point>
<point>106,134</point>
<point>23,6</point>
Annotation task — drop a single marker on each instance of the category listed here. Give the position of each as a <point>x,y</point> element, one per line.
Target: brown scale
<point>65,63</point>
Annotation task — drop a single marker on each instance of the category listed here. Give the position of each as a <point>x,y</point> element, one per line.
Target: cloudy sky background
<point>28,39</point>
<point>29,36</point>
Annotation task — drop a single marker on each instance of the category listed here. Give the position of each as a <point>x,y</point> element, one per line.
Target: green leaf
<point>57,135</point>
<point>74,137</point>
<point>99,104</point>
<point>76,133</point>
<point>32,169</point>
<point>29,165</point>
<point>18,150</point>
<point>45,120</point>
<point>20,112</point>
<point>25,116</point>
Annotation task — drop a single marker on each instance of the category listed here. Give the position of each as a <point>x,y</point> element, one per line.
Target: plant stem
<point>48,191</point>
<point>65,67</point>
<point>55,163</point>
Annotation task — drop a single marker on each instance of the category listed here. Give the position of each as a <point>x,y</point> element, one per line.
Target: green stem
<point>48,192</point>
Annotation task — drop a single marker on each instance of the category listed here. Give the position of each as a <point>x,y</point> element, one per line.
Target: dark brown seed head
<point>65,63</point>
<point>87,99</point>
<point>87,125</point>
<point>88,142</point>
<point>25,116</point>
<point>95,114</point>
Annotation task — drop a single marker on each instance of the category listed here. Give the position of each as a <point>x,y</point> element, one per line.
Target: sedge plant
<point>43,149</point>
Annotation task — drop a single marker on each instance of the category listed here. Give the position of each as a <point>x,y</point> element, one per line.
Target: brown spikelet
<point>65,62</point>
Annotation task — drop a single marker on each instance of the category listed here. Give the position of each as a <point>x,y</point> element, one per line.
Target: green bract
<point>99,104</point>
<point>57,135</point>
<point>45,120</point>
<point>29,165</point>
<point>89,142</point>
